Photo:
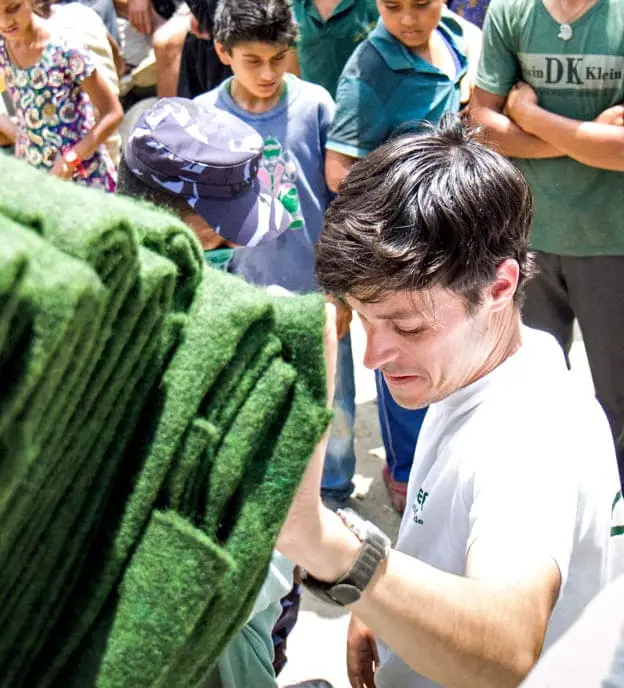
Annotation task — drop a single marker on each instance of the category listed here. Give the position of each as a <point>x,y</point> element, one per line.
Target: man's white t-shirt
<point>524,455</point>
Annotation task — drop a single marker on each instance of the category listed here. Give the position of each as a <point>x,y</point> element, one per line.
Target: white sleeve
<point>591,653</point>
<point>523,495</point>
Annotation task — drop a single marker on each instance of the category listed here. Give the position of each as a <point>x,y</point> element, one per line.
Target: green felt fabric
<point>78,513</point>
<point>172,578</point>
<point>66,302</point>
<point>156,417</point>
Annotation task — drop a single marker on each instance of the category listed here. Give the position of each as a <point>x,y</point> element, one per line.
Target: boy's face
<point>258,67</point>
<point>411,21</point>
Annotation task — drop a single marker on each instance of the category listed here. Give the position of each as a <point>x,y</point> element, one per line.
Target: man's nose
<point>379,350</point>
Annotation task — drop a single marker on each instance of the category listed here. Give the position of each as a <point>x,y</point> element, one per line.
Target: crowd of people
<point>336,155</point>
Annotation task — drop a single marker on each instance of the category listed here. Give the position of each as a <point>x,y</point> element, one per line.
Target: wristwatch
<point>374,550</point>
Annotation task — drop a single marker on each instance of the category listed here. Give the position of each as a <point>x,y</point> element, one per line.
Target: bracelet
<point>73,160</point>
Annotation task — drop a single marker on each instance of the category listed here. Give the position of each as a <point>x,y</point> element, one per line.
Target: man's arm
<point>591,143</point>
<point>479,631</point>
<point>486,110</point>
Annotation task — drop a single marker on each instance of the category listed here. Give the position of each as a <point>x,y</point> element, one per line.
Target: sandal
<point>396,489</point>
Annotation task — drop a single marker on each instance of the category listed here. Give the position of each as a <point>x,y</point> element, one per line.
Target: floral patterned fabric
<point>53,112</point>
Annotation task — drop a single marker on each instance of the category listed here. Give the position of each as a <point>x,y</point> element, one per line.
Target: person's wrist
<point>336,552</point>
<point>526,115</point>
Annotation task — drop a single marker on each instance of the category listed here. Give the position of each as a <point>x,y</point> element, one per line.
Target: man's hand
<point>140,15</point>
<point>613,115</point>
<point>520,98</point>
<point>362,655</point>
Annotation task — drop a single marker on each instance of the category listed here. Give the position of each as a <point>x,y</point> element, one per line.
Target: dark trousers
<point>590,289</point>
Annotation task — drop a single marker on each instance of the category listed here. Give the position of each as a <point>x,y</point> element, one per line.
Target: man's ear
<point>506,283</point>
<point>223,54</point>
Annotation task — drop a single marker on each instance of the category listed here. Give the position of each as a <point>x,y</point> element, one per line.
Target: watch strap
<point>348,588</point>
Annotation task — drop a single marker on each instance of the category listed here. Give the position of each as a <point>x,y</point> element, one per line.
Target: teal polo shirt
<point>386,88</point>
<point>323,47</point>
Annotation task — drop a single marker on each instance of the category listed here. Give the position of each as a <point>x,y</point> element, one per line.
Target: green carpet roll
<point>15,314</point>
<point>66,518</point>
<point>78,515</point>
<point>170,581</point>
<point>66,299</point>
<point>150,444</point>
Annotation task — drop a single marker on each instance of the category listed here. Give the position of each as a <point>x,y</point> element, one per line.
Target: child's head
<point>201,163</point>
<point>411,21</point>
<point>16,17</point>
<point>254,37</point>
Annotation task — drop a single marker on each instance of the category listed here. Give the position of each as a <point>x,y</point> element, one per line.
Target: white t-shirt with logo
<point>523,454</point>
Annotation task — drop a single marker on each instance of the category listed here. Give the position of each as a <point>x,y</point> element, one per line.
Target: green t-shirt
<point>578,209</point>
<point>323,47</point>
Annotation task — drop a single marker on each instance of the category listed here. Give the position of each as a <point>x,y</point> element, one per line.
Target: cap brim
<point>252,219</point>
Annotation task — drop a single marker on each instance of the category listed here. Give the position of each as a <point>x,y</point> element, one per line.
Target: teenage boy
<point>562,125</point>
<point>409,70</point>
<point>255,38</point>
<point>219,198</point>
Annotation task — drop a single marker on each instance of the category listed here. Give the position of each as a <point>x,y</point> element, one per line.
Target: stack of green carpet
<point>156,417</point>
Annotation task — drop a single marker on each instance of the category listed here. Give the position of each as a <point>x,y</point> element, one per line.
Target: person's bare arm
<point>484,630</point>
<point>117,56</point>
<point>486,110</point>
<point>337,167</point>
<point>110,114</point>
<point>591,143</point>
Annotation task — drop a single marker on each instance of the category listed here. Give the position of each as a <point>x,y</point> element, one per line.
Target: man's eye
<point>409,333</point>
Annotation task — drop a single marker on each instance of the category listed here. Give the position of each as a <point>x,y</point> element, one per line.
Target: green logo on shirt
<point>419,507</point>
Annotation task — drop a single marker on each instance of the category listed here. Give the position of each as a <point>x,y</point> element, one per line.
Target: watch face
<point>344,593</point>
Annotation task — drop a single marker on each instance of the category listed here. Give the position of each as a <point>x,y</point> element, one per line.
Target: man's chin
<point>407,399</point>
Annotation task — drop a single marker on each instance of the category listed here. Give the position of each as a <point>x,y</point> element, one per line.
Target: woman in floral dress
<point>54,88</point>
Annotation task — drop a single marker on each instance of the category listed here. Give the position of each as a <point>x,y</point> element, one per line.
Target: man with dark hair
<point>506,534</point>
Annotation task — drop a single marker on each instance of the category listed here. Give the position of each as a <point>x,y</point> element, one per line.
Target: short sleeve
<point>360,124</point>
<point>530,499</point>
<point>499,68</point>
<point>79,65</point>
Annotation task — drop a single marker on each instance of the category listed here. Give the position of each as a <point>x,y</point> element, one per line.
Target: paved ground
<point>316,647</point>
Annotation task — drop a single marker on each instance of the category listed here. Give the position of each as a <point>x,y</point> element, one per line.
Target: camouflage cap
<point>211,158</point>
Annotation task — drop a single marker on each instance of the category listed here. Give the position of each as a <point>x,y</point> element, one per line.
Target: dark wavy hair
<point>262,21</point>
<point>426,209</point>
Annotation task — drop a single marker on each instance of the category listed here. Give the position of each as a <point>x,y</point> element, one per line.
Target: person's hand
<point>197,30</point>
<point>520,98</point>
<point>140,15</point>
<point>362,655</point>
<point>61,169</point>
<point>613,115</point>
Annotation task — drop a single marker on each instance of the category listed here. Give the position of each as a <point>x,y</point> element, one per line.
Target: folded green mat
<point>152,461</point>
<point>66,300</point>
<point>201,421</point>
<point>15,315</point>
<point>75,517</point>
